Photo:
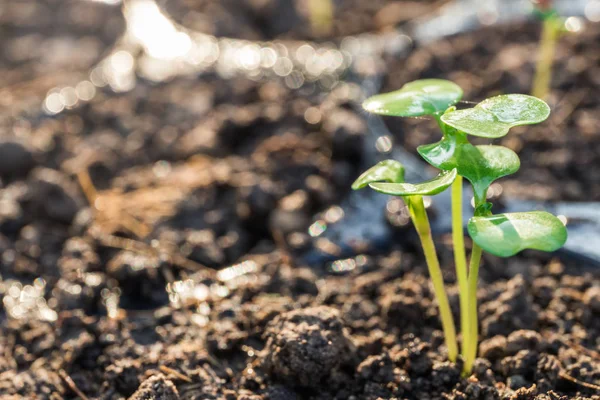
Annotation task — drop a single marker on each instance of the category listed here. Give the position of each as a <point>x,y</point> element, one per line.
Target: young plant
<point>500,234</point>
<point>553,26</point>
<point>321,16</point>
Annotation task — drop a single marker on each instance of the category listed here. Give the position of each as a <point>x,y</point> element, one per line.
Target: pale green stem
<point>543,72</point>
<point>473,328</point>
<point>321,16</point>
<point>460,261</point>
<point>421,222</point>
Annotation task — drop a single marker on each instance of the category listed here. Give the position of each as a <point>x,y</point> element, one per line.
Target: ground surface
<point>177,278</point>
<point>290,19</point>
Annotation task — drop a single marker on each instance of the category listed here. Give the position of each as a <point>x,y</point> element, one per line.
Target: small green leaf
<point>505,235</point>
<point>422,97</point>
<point>481,165</point>
<point>427,188</point>
<point>492,118</point>
<point>445,154</point>
<point>385,171</point>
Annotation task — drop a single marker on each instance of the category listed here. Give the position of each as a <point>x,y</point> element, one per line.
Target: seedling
<point>500,234</point>
<point>553,26</point>
<point>321,16</point>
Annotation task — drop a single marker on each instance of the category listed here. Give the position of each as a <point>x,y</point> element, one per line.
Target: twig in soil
<point>87,186</point>
<point>108,208</point>
<point>141,247</point>
<point>563,374</point>
<point>175,373</point>
<point>71,384</point>
<point>137,211</point>
<point>592,353</point>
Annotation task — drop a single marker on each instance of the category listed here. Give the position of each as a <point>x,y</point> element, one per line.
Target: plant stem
<point>321,16</point>
<point>473,328</point>
<point>543,72</point>
<point>460,261</point>
<point>421,222</point>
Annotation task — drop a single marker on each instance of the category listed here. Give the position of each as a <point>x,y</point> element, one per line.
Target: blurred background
<point>216,128</point>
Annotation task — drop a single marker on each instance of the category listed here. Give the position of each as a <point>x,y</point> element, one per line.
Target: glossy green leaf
<point>385,171</point>
<point>427,188</point>
<point>422,97</point>
<point>505,235</point>
<point>481,165</point>
<point>492,118</point>
<point>445,154</point>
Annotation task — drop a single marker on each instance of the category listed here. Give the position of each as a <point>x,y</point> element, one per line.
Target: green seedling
<point>500,234</point>
<point>553,26</point>
<point>321,16</point>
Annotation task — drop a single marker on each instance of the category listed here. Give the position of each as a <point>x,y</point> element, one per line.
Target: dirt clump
<point>305,346</point>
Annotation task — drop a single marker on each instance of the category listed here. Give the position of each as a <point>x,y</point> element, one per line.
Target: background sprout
<point>321,16</point>
<point>552,27</point>
<point>503,234</point>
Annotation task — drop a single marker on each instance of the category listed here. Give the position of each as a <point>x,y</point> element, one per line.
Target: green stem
<point>421,222</point>
<point>460,261</point>
<point>543,73</point>
<point>321,16</point>
<point>473,329</point>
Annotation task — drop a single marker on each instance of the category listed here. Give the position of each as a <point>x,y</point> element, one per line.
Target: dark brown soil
<point>557,156</point>
<point>177,277</point>
<point>289,333</point>
<point>49,43</point>
<point>290,19</point>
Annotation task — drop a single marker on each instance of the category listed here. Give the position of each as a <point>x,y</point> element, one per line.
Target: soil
<point>284,332</point>
<point>556,155</point>
<point>290,19</point>
<point>50,43</point>
<point>148,250</point>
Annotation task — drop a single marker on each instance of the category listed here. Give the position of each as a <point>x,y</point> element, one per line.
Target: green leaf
<point>481,165</point>
<point>445,154</point>
<point>385,171</point>
<point>505,235</point>
<point>427,188</point>
<point>422,97</point>
<point>492,118</point>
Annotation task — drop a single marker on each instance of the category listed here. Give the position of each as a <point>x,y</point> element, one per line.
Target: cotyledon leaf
<point>492,118</point>
<point>427,188</point>
<point>384,171</point>
<point>481,165</point>
<point>418,98</point>
<point>505,235</point>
